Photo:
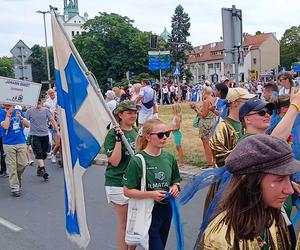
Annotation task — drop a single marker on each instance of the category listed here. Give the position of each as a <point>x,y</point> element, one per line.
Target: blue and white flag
<point>83,122</point>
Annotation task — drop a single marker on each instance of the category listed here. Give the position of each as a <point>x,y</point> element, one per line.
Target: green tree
<point>290,46</point>
<point>258,32</point>
<point>178,44</point>
<point>6,67</point>
<point>111,46</point>
<point>39,63</point>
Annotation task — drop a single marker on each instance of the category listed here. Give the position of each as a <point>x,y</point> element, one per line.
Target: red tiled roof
<point>208,52</point>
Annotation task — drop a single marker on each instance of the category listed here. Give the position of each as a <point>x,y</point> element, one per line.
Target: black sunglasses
<point>161,135</point>
<point>261,112</point>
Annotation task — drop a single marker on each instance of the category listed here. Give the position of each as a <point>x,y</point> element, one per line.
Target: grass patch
<point>191,142</point>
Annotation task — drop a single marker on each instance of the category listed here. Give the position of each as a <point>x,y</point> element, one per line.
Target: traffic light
<point>154,42</point>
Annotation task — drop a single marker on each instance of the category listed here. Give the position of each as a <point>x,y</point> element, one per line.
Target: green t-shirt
<point>114,175</point>
<point>244,136</point>
<point>161,172</point>
<point>237,125</point>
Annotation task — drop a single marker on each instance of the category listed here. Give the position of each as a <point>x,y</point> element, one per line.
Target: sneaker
<point>16,193</point>
<point>4,174</point>
<point>30,163</point>
<point>49,155</point>
<point>40,171</point>
<point>53,158</point>
<point>45,176</point>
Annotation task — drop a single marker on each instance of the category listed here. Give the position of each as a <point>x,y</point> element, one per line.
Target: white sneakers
<point>53,158</point>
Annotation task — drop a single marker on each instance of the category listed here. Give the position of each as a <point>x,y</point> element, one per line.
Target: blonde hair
<point>117,91</point>
<point>141,141</point>
<point>177,110</point>
<point>207,90</point>
<point>137,87</point>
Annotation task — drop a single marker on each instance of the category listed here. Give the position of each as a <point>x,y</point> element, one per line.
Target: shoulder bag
<point>139,216</point>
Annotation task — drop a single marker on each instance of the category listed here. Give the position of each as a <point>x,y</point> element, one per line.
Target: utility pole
<point>46,42</point>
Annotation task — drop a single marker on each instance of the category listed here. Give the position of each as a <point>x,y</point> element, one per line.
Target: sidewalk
<point>187,171</point>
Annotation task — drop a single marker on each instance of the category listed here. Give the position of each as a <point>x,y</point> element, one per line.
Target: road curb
<point>188,172</point>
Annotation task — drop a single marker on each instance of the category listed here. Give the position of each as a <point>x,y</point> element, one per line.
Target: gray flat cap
<point>262,154</point>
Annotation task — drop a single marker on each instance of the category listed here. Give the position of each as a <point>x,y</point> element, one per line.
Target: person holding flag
<point>118,159</point>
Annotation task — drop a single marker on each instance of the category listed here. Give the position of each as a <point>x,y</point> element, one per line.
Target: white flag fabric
<point>83,122</point>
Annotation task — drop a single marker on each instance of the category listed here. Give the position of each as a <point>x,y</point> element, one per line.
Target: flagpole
<point>93,83</point>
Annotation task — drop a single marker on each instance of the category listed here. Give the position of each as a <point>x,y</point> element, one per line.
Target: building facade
<point>261,55</point>
<point>71,19</point>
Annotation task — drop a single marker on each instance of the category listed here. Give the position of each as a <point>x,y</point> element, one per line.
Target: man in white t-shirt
<point>148,100</point>
<point>259,91</point>
<point>51,101</point>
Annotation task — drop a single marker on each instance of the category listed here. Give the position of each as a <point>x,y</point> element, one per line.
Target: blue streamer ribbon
<point>177,222</point>
<point>297,216</point>
<point>199,182</point>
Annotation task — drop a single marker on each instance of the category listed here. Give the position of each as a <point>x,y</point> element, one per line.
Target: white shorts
<point>116,195</point>
<point>145,117</point>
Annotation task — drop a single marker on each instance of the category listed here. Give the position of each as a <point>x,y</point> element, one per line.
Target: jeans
<point>160,226</point>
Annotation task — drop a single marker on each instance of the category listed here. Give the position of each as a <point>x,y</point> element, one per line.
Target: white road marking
<point>9,225</point>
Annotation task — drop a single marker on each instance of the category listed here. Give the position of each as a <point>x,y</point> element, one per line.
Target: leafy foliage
<point>178,44</point>
<point>290,46</point>
<point>39,63</point>
<point>111,46</point>
<point>6,67</point>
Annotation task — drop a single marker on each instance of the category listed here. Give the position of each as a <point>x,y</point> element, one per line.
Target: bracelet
<point>296,106</point>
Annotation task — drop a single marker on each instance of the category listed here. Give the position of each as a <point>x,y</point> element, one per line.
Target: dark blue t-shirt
<point>15,134</point>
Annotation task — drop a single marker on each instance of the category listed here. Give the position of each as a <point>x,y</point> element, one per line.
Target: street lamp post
<point>47,54</point>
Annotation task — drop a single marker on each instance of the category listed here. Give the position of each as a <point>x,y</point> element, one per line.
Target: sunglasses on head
<point>261,112</point>
<point>161,135</point>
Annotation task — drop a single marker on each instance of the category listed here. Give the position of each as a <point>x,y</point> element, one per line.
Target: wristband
<point>296,106</point>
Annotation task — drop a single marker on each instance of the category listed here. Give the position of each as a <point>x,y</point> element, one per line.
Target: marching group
<point>24,130</point>
<point>250,142</point>
<point>250,138</point>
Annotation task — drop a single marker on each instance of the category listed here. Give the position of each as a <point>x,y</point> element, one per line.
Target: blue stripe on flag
<point>71,218</point>
<point>84,146</point>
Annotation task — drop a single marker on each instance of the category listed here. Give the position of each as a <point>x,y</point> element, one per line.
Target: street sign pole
<point>233,38</point>
<point>23,63</point>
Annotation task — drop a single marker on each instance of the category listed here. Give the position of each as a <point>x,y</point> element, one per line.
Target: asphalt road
<point>39,212</point>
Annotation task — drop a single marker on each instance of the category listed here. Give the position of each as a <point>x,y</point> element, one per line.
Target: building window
<point>210,65</point>
<point>74,21</point>
<point>254,60</point>
<point>77,33</point>
<point>73,33</point>
<point>217,65</point>
<point>79,21</point>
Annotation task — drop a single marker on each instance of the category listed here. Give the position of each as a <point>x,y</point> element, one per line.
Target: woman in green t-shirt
<point>162,175</point>
<point>118,158</point>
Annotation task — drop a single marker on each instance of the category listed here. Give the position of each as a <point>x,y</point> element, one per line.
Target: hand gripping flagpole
<point>93,82</point>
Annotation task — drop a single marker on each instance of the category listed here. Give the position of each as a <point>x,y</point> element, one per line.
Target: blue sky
<point>19,19</point>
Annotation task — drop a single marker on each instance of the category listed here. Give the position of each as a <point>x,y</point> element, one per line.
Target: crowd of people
<point>250,137</point>
<point>251,131</point>
<point>26,130</point>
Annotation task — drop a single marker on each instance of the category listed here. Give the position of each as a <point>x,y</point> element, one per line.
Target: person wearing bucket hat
<point>249,215</point>
<point>118,159</point>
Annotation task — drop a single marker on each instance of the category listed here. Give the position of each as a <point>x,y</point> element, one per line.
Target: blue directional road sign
<point>159,60</point>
